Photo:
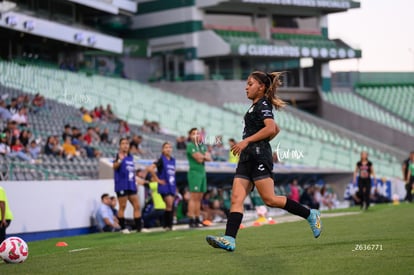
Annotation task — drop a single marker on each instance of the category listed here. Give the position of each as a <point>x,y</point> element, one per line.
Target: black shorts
<point>255,163</point>
<point>254,170</point>
<point>124,193</point>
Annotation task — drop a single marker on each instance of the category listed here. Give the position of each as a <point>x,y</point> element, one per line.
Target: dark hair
<point>232,140</point>
<point>104,195</point>
<point>272,82</point>
<point>165,143</point>
<point>122,139</point>
<point>191,130</point>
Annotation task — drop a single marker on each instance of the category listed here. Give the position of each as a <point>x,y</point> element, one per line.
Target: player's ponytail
<point>272,82</point>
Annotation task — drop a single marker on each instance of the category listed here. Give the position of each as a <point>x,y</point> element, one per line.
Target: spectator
<point>308,198</point>
<point>69,149</point>
<point>86,117</point>
<point>67,132</point>
<point>5,114</point>
<point>219,152</point>
<point>12,107</point>
<point>114,203</point>
<point>25,137</point>
<point>123,128</point>
<point>97,114</point>
<point>154,209</point>
<point>4,147</point>
<point>52,147</point>
<point>327,197</point>
<point>109,113</point>
<point>34,150</point>
<point>105,216</point>
<point>181,144</point>
<point>38,102</point>
<point>136,145</point>
<point>294,193</point>
<point>18,150</point>
<point>105,136</point>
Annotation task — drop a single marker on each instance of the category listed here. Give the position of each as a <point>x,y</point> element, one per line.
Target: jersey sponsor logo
<point>264,103</point>
<point>261,167</point>
<point>267,113</point>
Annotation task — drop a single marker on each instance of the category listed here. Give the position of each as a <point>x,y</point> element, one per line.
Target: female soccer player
<point>125,186</point>
<point>255,165</point>
<point>165,176</point>
<point>364,169</point>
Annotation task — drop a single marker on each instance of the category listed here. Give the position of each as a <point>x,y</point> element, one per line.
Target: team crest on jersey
<point>264,103</point>
<point>251,109</point>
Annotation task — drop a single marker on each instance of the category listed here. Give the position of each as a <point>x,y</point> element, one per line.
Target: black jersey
<point>253,123</point>
<point>255,116</point>
<point>364,169</point>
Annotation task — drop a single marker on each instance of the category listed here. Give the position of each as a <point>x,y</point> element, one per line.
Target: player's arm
<point>355,174</point>
<point>151,169</point>
<point>3,213</point>
<point>264,133</point>
<point>404,166</point>
<point>117,162</point>
<point>199,157</point>
<point>277,129</point>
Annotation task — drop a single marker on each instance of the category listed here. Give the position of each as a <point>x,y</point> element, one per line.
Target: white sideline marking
<point>79,249</point>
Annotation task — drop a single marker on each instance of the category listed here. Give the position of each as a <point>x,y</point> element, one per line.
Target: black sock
<point>233,224</point>
<point>138,224</point>
<point>192,222</point>
<point>197,221</point>
<point>122,222</point>
<point>296,209</point>
<point>168,218</point>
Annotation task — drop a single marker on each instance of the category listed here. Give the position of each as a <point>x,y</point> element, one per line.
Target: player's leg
<point>367,193</point>
<point>133,199</point>
<point>168,213</point>
<point>122,201</point>
<point>240,190</point>
<point>265,187</point>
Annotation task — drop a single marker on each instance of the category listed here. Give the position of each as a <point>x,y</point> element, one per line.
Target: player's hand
<point>239,147</point>
<point>162,182</point>
<point>3,223</point>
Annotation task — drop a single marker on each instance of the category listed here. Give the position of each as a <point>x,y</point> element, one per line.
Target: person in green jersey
<point>197,179</point>
<point>6,215</point>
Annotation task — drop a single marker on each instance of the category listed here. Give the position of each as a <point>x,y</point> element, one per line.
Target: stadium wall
<point>47,209</point>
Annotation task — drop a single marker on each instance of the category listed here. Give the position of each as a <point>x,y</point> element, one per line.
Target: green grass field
<point>285,248</point>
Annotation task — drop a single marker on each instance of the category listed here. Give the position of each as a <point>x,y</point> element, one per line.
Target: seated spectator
<point>219,153</point>
<point>123,128</point>
<point>4,146</point>
<point>210,210</point>
<point>105,216</point>
<point>307,198</point>
<point>38,102</point>
<point>4,112</point>
<point>327,198</point>
<point>96,113</point>
<point>18,150</point>
<point>110,114</point>
<point>105,136</point>
<point>25,137</point>
<point>76,134</point>
<point>12,107</point>
<point>52,147</point>
<point>69,149</point>
<point>88,140</point>
<point>181,144</point>
<point>67,132</point>
<point>86,117</point>
<point>114,203</point>
<point>12,130</point>
<point>34,150</point>
<point>135,145</point>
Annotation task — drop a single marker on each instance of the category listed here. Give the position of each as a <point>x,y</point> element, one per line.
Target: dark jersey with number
<point>253,123</point>
<point>255,116</point>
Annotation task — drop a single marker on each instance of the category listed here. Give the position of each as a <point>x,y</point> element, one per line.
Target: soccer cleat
<point>315,222</point>
<point>225,242</point>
